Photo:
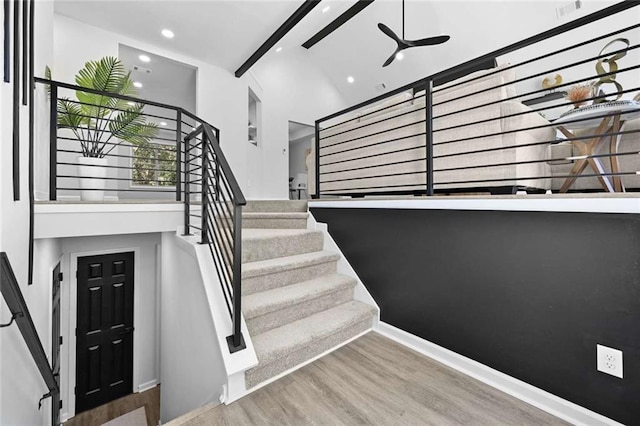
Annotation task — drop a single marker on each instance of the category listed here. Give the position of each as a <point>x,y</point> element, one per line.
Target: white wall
<point>21,385</point>
<point>146,344</point>
<point>192,368</point>
<point>289,88</point>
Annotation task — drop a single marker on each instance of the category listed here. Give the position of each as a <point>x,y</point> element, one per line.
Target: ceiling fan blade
<point>389,32</point>
<point>429,41</point>
<point>392,57</point>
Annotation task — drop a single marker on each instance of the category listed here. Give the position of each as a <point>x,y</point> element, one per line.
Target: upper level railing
<point>22,317</point>
<point>109,147</point>
<point>479,127</point>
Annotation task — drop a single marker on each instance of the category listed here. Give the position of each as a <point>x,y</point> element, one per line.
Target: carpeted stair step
<point>262,244</point>
<point>275,206</point>
<point>285,347</point>
<point>267,274</point>
<point>273,220</point>
<point>269,309</point>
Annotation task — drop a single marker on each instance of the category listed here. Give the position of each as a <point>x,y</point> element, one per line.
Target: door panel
<point>55,343</point>
<point>104,350</point>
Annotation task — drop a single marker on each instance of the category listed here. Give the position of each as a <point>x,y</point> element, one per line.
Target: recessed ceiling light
<point>279,49</point>
<point>137,84</point>
<point>144,58</point>
<point>168,33</point>
<point>350,79</point>
<point>399,56</point>
<point>326,9</point>
<point>163,123</point>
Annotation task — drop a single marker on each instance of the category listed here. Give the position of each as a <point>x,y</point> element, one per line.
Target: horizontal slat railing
<point>448,133</point>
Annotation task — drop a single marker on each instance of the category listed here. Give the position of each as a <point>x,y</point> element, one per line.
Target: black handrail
<point>20,313</point>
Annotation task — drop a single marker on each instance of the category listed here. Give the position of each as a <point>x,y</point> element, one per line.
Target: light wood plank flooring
<point>374,380</point>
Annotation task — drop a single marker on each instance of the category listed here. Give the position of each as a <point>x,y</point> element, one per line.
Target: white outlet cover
<point>609,360</point>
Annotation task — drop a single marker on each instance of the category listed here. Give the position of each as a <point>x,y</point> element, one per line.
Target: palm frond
<point>132,127</point>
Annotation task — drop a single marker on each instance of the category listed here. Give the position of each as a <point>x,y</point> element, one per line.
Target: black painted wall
<point>526,293</point>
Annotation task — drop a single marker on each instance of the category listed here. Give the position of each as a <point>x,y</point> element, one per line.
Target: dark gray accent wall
<point>529,294</point>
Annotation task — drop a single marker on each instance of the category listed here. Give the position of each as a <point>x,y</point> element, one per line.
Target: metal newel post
<point>317,160</point>
<point>237,275</point>
<point>429,133</point>
<point>53,144</point>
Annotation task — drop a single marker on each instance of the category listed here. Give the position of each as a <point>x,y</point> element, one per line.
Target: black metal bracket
<point>13,318</point>
<point>232,347</point>
<point>45,396</point>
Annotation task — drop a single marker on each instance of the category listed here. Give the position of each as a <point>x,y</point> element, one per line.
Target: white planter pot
<point>91,174</point>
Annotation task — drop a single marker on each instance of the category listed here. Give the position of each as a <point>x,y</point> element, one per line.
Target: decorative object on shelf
<point>609,76</point>
<point>579,94</point>
<point>253,132</point>
<point>102,123</point>
<point>548,83</point>
<point>624,106</point>
<point>402,43</point>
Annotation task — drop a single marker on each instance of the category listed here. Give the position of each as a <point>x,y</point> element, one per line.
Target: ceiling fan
<point>405,44</point>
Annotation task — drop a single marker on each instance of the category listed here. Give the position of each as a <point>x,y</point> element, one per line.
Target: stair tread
<point>268,301</point>
<point>270,266</point>
<point>275,215</point>
<point>266,233</point>
<point>278,342</point>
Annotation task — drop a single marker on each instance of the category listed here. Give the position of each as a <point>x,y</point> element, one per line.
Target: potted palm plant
<point>101,122</point>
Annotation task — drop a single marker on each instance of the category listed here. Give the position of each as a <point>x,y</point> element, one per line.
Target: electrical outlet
<point>609,360</point>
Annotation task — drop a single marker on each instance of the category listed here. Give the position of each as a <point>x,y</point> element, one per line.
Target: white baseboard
<point>142,387</point>
<point>546,401</point>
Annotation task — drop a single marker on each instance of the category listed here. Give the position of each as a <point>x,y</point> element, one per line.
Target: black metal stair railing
<point>483,128</point>
<point>181,160</point>
<point>22,317</point>
<point>211,186</point>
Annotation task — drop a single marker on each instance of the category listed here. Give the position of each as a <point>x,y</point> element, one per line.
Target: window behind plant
<point>154,164</point>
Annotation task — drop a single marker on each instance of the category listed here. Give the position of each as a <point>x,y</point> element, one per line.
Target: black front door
<point>104,347</point>
<point>55,343</point>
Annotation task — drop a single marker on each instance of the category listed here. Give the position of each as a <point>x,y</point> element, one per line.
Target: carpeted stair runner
<point>295,303</point>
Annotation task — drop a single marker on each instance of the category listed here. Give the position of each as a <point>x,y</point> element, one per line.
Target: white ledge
<point>63,220</point>
<point>602,203</point>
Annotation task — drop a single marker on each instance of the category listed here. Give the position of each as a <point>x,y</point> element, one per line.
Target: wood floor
<point>374,380</point>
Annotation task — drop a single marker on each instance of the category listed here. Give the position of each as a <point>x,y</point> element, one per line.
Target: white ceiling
<point>226,33</point>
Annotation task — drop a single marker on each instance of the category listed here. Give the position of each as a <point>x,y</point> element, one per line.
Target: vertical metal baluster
<point>187,185</point>
<point>204,236</point>
<point>179,155</point>
<point>428,128</point>
<point>53,144</point>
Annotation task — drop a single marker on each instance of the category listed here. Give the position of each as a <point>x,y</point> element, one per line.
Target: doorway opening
<point>301,136</point>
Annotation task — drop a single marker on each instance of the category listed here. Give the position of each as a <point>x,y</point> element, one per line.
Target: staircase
<point>295,304</point>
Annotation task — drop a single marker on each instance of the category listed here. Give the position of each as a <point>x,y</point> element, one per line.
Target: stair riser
<point>268,223</point>
<point>289,276</point>
<point>295,312</point>
<point>264,372</point>
<point>254,250</point>
<point>274,206</point>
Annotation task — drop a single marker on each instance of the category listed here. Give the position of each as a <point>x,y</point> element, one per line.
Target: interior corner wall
<point>304,94</point>
<point>289,88</point>
<point>192,368</point>
<point>21,385</point>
